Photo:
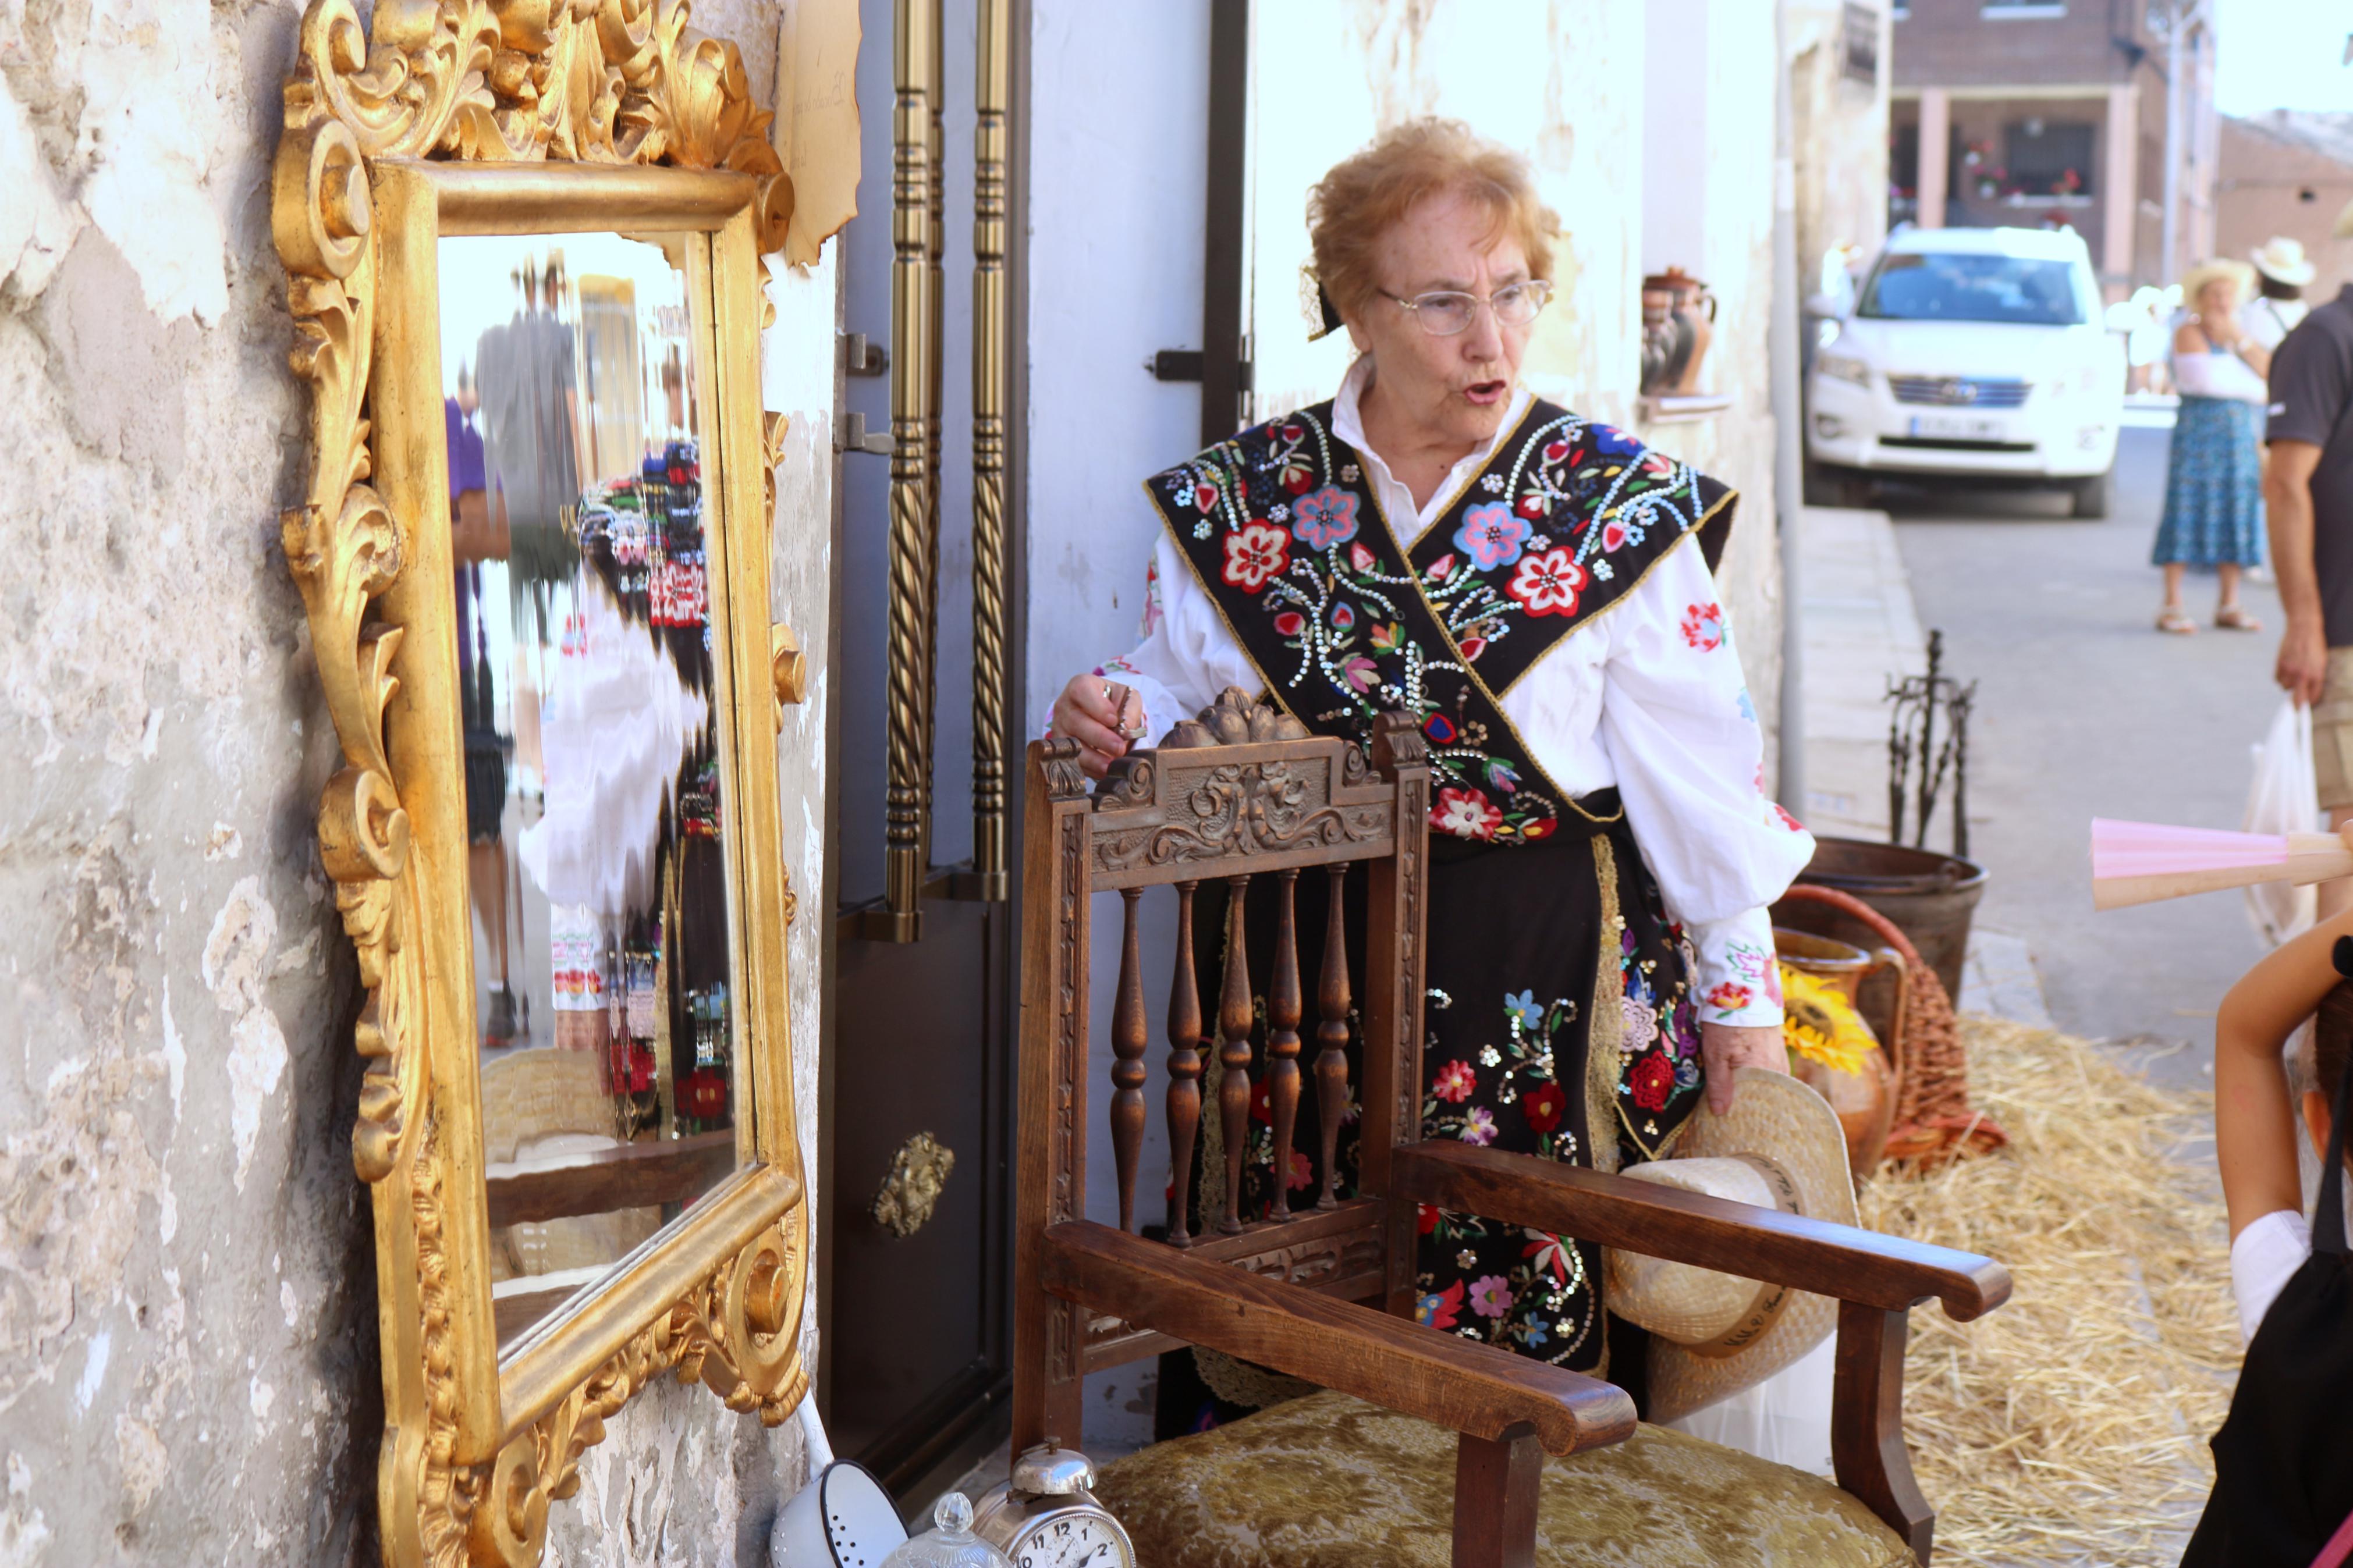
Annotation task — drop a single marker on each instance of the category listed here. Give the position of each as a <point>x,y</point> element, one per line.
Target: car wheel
<point>2089,497</point>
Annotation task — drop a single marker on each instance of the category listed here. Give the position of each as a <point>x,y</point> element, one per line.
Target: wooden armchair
<point>1325,1292</point>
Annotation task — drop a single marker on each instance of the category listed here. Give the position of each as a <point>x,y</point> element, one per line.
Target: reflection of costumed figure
<point>531,411</point>
<point>615,726</point>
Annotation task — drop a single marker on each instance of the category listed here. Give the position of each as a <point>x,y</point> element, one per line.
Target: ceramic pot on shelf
<point>1860,1086</point>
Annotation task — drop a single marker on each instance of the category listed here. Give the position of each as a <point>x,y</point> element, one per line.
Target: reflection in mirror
<point>604,963</point>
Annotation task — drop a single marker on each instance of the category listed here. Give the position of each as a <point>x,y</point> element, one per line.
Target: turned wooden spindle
<point>1332,1037</point>
<point>1129,1033</point>
<point>1283,1007</point>
<point>1233,1056</point>
<point>1184,1070</point>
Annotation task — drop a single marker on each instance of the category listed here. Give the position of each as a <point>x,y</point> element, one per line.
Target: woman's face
<point>1453,389</point>
<point>2220,297</point>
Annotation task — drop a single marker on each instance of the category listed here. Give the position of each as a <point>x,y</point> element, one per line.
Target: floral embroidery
<point>1437,1311</point>
<point>1703,626</point>
<point>1729,996</point>
<point>1154,614</point>
<point>1521,1006</point>
<point>1490,1297</point>
<point>1653,1079</point>
<point>1324,518</point>
<point>1454,1082</point>
<point>1479,1126</point>
<point>1347,624</point>
<point>1543,1106</point>
<point>1548,585</point>
<point>1466,814</point>
<point>1492,536</point>
<point>1255,553</point>
<point>1791,822</point>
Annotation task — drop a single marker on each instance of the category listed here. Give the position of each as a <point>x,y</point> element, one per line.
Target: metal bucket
<point>1929,897</point>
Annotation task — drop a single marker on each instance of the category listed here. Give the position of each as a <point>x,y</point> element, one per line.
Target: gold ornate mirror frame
<point>517,117</point>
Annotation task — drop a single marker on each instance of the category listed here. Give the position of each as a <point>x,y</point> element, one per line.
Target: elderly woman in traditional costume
<point>1533,588</point>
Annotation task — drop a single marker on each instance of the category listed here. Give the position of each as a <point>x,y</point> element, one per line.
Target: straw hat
<point>2283,260</point>
<point>1714,1334</point>
<point>2205,272</point>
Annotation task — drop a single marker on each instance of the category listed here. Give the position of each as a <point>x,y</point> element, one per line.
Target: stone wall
<point>187,1348</point>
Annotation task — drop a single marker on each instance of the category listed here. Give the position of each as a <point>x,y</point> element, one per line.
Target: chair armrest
<point>1837,1260</point>
<point>1455,1383</point>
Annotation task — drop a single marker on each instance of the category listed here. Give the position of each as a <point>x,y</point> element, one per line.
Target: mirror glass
<point>604,932</point>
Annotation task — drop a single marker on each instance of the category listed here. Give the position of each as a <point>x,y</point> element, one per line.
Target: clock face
<point>1081,1538</point>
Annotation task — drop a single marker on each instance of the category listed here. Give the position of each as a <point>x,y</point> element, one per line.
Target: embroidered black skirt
<point>1558,1021</point>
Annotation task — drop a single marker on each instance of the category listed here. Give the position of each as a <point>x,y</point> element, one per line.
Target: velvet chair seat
<point>1327,1481</point>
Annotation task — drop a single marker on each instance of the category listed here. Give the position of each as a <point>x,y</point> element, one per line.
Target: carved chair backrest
<point>1195,812</point>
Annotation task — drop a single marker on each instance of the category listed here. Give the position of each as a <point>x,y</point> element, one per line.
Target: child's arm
<point>2254,1128</point>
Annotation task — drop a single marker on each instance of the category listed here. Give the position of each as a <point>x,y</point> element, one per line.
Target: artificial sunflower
<point>1821,1025</point>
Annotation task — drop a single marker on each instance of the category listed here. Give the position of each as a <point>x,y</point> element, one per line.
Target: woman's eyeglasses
<point>1447,312</point>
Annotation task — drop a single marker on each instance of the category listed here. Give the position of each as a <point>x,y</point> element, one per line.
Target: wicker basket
<point>1933,1120</point>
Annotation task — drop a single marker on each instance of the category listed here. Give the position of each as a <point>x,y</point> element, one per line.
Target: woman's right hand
<point>1102,716</point>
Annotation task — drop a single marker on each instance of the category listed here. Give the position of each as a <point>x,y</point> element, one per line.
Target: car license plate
<point>1962,426</point>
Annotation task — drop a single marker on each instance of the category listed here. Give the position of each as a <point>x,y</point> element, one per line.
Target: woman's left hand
<point>1723,1047</point>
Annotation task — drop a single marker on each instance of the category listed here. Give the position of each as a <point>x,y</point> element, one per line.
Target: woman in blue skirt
<point>2213,477</point>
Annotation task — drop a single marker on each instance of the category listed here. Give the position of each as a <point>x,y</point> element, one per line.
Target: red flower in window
<point>1542,1106</point>
<point>1255,552</point>
<point>1703,626</point>
<point>1547,583</point>
<point>1653,1079</point>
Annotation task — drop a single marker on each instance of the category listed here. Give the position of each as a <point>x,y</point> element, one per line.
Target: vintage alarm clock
<point>1045,1516</point>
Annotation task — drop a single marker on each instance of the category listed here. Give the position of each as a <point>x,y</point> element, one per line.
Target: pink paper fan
<point>2141,862</point>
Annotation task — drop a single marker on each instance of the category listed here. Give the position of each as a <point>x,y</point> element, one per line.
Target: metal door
<point>914,1249</point>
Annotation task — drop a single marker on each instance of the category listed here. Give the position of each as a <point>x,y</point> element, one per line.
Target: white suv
<point>1971,351</point>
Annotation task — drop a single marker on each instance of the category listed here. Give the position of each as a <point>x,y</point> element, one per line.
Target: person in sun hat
<point>1532,590</point>
<point>1732,1360</point>
<point>2282,273</point>
<point>2214,513</point>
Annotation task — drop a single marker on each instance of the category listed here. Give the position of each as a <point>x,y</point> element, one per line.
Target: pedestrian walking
<point>2309,489</point>
<point>2281,271</point>
<point>2213,476</point>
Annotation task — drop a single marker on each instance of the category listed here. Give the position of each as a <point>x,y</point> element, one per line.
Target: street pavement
<point>2083,709</point>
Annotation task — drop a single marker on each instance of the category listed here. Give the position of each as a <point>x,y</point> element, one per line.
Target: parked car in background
<point>1980,353</point>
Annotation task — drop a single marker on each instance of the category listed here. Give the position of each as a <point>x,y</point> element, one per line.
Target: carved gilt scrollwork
<point>587,81</point>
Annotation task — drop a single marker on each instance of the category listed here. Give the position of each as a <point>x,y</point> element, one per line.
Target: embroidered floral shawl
<point>1344,622</point>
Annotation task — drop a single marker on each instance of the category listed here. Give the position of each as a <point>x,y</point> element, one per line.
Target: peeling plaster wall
<point>188,1365</point>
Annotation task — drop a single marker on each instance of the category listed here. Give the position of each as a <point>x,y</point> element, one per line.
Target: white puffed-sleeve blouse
<point>1646,696</point>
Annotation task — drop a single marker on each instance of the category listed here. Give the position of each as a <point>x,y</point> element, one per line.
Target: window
<point>2011,10</point>
<point>2048,157</point>
<point>1931,287</point>
<point>1859,42</point>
